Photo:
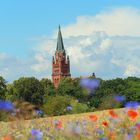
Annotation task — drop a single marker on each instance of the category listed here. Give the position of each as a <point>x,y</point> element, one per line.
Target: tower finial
<point>59,27</point>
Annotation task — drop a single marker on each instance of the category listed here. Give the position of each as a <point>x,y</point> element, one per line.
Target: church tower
<point>60,62</point>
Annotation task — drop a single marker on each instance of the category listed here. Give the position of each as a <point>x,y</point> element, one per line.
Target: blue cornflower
<point>90,84</point>
<point>99,131</point>
<point>103,139</point>
<point>133,127</point>
<point>77,129</point>
<point>37,133</point>
<point>130,134</point>
<point>39,112</point>
<point>132,104</point>
<point>69,108</point>
<point>6,105</point>
<point>119,98</point>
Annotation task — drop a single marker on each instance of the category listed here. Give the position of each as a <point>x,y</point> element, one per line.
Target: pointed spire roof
<point>60,46</point>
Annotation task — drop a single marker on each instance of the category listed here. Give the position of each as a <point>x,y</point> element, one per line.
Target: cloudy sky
<point>99,36</point>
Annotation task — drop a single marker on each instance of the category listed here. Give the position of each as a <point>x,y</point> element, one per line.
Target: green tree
<point>132,89</point>
<point>77,107</point>
<point>72,88</point>
<point>56,105</point>
<point>2,87</point>
<point>48,88</point>
<point>27,89</point>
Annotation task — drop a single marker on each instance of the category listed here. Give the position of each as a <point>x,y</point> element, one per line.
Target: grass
<point>100,125</point>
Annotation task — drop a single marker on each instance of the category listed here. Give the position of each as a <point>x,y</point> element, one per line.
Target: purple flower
<point>133,127</point>
<point>102,139</point>
<point>6,105</point>
<point>132,104</point>
<point>77,129</point>
<point>90,84</point>
<point>39,112</point>
<point>37,133</point>
<point>99,131</point>
<point>130,134</point>
<point>119,98</point>
<point>137,124</point>
<point>69,108</point>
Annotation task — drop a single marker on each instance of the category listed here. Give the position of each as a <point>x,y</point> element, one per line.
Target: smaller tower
<point>61,62</point>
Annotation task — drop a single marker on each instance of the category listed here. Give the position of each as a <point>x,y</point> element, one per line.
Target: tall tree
<point>71,87</point>
<point>2,87</point>
<point>48,88</point>
<point>27,89</point>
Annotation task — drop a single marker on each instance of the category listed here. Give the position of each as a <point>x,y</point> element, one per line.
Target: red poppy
<point>105,123</point>
<point>7,137</point>
<point>59,125</point>
<point>132,113</point>
<point>111,134</point>
<point>113,114</point>
<point>138,136</point>
<point>93,118</point>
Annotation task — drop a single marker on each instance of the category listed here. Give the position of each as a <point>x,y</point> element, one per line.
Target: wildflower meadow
<point>113,124</point>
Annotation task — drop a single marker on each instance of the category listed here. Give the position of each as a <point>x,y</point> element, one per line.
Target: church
<point>60,62</point>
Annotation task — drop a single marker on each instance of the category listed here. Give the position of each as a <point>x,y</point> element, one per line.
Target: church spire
<point>60,46</point>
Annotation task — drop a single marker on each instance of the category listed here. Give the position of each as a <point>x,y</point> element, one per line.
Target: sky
<point>99,36</point>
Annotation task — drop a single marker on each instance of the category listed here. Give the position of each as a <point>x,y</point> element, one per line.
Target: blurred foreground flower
<point>119,98</point>
<point>138,125</point>
<point>7,137</point>
<point>39,113</point>
<point>58,125</point>
<point>105,123</point>
<point>132,113</point>
<point>113,114</point>
<point>99,131</point>
<point>132,104</point>
<point>93,118</point>
<point>69,108</point>
<point>37,134</point>
<point>90,84</point>
<point>6,105</point>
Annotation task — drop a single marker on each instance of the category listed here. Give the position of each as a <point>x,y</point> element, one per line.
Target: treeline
<point>70,97</point>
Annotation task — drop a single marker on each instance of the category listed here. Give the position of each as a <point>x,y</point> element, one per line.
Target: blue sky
<point>26,25</point>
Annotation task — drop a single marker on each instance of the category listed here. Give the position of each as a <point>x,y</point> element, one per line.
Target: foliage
<point>27,89</point>
<point>2,87</point>
<point>3,116</point>
<point>56,105</point>
<point>129,87</point>
<point>77,107</point>
<point>48,88</point>
<point>54,101</point>
<point>72,88</point>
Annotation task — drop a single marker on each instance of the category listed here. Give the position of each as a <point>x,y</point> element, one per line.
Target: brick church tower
<point>60,62</point>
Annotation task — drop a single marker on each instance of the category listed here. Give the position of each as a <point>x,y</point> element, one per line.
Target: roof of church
<point>60,46</point>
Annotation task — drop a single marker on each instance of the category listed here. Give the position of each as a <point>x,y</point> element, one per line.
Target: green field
<point>85,126</point>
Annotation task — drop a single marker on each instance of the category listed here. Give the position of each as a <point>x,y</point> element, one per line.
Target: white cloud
<point>118,21</point>
<point>3,56</point>
<point>132,70</point>
<point>107,43</point>
<point>41,63</point>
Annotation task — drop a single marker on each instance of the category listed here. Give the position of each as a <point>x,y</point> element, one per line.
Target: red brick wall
<point>60,67</point>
